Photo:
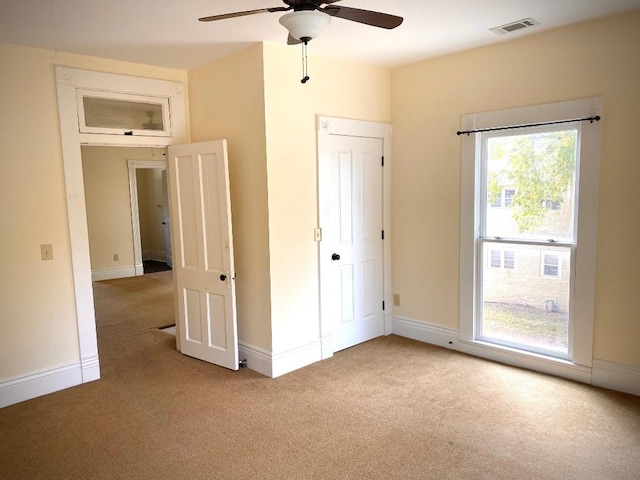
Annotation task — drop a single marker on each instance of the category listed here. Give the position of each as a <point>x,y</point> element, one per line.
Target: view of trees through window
<point>528,234</point>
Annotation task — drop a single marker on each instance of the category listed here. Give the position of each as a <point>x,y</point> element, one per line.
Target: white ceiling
<point>167,32</point>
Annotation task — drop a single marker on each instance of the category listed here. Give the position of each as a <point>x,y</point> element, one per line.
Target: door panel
<point>351,204</point>
<point>192,315</point>
<point>203,252</point>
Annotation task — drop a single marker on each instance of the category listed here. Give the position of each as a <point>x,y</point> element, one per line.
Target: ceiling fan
<point>309,17</point>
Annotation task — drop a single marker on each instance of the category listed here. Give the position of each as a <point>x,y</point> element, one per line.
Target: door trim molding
<point>135,211</point>
<point>68,80</point>
<point>327,126</point>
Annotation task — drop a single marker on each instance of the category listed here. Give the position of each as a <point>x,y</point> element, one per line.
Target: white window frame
<point>578,366</point>
<point>162,101</point>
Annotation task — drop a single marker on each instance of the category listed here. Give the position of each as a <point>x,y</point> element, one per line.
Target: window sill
<point>528,360</point>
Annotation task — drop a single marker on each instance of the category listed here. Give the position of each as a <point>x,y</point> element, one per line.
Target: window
<point>508,197</point>
<point>503,199</point>
<point>542,163</point>
<point>502,259</point>
<point>104,112</point>
<point>524,193</point>
<point>509,259</point>
<point>550,265</point>
<point>552,204</point>
<point>496,258</point>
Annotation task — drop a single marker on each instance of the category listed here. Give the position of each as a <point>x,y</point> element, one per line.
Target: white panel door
<point>203,252</point>
<point>351,251</point>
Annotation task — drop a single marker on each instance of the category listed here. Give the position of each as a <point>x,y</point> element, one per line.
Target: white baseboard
<point>111,273</point>
<point>23,388</point>
<point>156,255</point>
<point>424,332</point>
<point>275,365</point>
<point>90,368</point>
<point>257,358</point>
<point>615,376</point>
<point>139,269</point>
<point>288,361</point>
<point>326,344</point>
<point>605,374</point>
<point>388,324</point>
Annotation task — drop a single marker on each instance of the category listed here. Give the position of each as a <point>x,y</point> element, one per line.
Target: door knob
<point>335,257</point>
<point>223,277</point>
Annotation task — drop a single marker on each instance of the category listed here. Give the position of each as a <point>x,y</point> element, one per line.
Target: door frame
<point>134,166</point>
<point>327,126</point>
<point>68,81</point>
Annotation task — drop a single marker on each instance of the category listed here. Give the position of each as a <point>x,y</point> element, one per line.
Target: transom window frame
<point>578,366</point>
<point>161,101</point>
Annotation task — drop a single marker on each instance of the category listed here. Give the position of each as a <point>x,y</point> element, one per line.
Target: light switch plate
<point>46,251</point>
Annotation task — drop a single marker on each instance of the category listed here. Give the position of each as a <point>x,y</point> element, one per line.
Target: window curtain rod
<point>510,127</point>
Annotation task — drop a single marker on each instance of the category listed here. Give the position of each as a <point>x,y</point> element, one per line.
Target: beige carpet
<point>388,409</point>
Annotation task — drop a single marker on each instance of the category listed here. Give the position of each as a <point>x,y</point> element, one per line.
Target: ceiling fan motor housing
<point>305,25</point>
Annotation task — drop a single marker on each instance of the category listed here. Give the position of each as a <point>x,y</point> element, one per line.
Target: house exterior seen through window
<point>527,213</point>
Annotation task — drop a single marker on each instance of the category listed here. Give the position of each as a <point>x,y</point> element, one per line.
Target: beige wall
<point>337,88</point>
<point>227,102</point>
<point>255,100</point>
<point>106,184</point>
<point>599,58</point>
<point>37,312</point>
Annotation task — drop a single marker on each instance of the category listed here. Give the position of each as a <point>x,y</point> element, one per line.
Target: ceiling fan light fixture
<point>305,25</point>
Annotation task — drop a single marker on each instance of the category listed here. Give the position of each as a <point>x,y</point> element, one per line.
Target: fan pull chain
<point>305,72</point>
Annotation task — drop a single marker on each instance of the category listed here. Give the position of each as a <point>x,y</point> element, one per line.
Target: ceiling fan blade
<point>293,41</point>
<point>224,16</point>
<point>327,2</point>
<point>368,17</point>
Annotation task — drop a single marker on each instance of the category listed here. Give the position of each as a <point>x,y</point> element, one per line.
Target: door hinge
<point>383,305</point>
<point>382,234</point>
<point>383,161</point>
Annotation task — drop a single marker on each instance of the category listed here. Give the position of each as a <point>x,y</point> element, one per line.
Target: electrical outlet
<point>115,257</point>
<point>46,251</point>
<point>396,299</point>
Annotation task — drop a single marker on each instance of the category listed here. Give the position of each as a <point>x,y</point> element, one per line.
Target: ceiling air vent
<point>513,26</point>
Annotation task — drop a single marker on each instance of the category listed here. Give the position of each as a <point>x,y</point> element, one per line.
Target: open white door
<point>203,252</point>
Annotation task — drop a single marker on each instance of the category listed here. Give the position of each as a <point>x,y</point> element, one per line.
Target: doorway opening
<point>150,220</point>
<point>70,82</point>
<point>127,219</point>
<point>127,211</point>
